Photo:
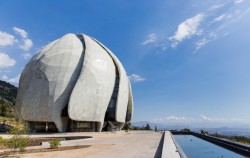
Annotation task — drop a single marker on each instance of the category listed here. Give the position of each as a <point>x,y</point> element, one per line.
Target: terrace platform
<point>138,144</point>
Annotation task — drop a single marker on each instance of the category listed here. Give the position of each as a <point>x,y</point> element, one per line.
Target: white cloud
<point>27,43</point>
<point>136,78</point>
<point>6,39</point>
<point>6,61</point>
<point>212,35</point>
<point>200,121</point>
<point>223,120</point>
<point>238,1</point>
<point>26,55</point>
<point>201,43</point>
<point>4,77</point>
<point>15,79</point>
<point>175,118</point>
<point>217,6</point>
<point>219,18</point>
<point>21,32</point>
<point>205,118</point>
<point>150,39</point>
<point>187,29</point>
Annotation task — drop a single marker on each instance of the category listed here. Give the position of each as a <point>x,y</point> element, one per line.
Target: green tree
<point>203,132</point>
<point>147,127</point>
<point>127,126</point>
<point>185,130</point>
<point>5,108</point>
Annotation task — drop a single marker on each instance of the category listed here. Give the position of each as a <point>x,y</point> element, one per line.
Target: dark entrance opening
<point>42,127</point>
<point>109,120</point>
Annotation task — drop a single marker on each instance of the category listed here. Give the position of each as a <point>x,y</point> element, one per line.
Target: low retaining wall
<point>236,147</point>
<point>169,149</point>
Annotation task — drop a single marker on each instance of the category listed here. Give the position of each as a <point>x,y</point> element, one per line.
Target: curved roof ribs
<point>130,104</point>
<point>123,92</point>
<point>47,80</point>
<point>100,71</point>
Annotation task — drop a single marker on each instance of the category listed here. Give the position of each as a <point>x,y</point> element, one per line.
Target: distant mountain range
<point>8,92</point>
<point>229,131</point>
<point>158,125</point>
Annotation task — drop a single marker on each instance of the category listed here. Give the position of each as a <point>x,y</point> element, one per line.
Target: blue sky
<point>188,61</point>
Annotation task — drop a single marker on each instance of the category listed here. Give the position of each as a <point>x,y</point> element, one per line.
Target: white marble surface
<point>66,73</point>
<point>91,95</point>
<point>48,79</point>
<point>123,93</point>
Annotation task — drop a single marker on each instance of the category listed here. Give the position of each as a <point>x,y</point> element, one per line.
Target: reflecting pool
<point>195,147</point>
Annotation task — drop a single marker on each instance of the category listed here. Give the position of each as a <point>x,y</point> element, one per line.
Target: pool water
<point>195,147</point>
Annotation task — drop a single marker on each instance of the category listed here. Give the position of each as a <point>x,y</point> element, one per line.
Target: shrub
<point>147,127</point>
<point>127,126</point>
<point>203,132</point>
<point>17,142</point>
<point>54,144</point>
<point>23,143</point>
<point>2,140</point>
<point>185,130</point>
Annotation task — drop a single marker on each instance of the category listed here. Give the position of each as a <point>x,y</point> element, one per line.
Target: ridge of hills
<point>8,92</point>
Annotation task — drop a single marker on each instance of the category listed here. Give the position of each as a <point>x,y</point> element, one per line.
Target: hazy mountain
<point>158,125</point>
<point>237,131</point>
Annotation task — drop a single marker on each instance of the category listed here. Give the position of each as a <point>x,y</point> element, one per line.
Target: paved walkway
<point>135,144</point>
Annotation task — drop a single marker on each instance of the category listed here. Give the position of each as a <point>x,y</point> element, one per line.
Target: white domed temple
<point>74,84</point>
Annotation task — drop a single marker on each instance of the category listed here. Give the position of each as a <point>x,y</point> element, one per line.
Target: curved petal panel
<point>122,99</point>
<point>91,95</point>
<point>130,104</point>
<point>48,79</point>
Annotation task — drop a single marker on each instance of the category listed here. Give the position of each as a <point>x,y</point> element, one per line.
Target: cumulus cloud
<point>238,1</point>
<point>14,80</point>
<point>150,39</point>
<point>6,61</point>
<point>27,43</point>
<point>175,118</point>
<point>187,28</point>
<point>199,120</point>
<point>136,78</point>
<point>4,77</point>
<point>213,119</point>
<point>6,39</point>
<point>21,32</point>
<point>26,55</point>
